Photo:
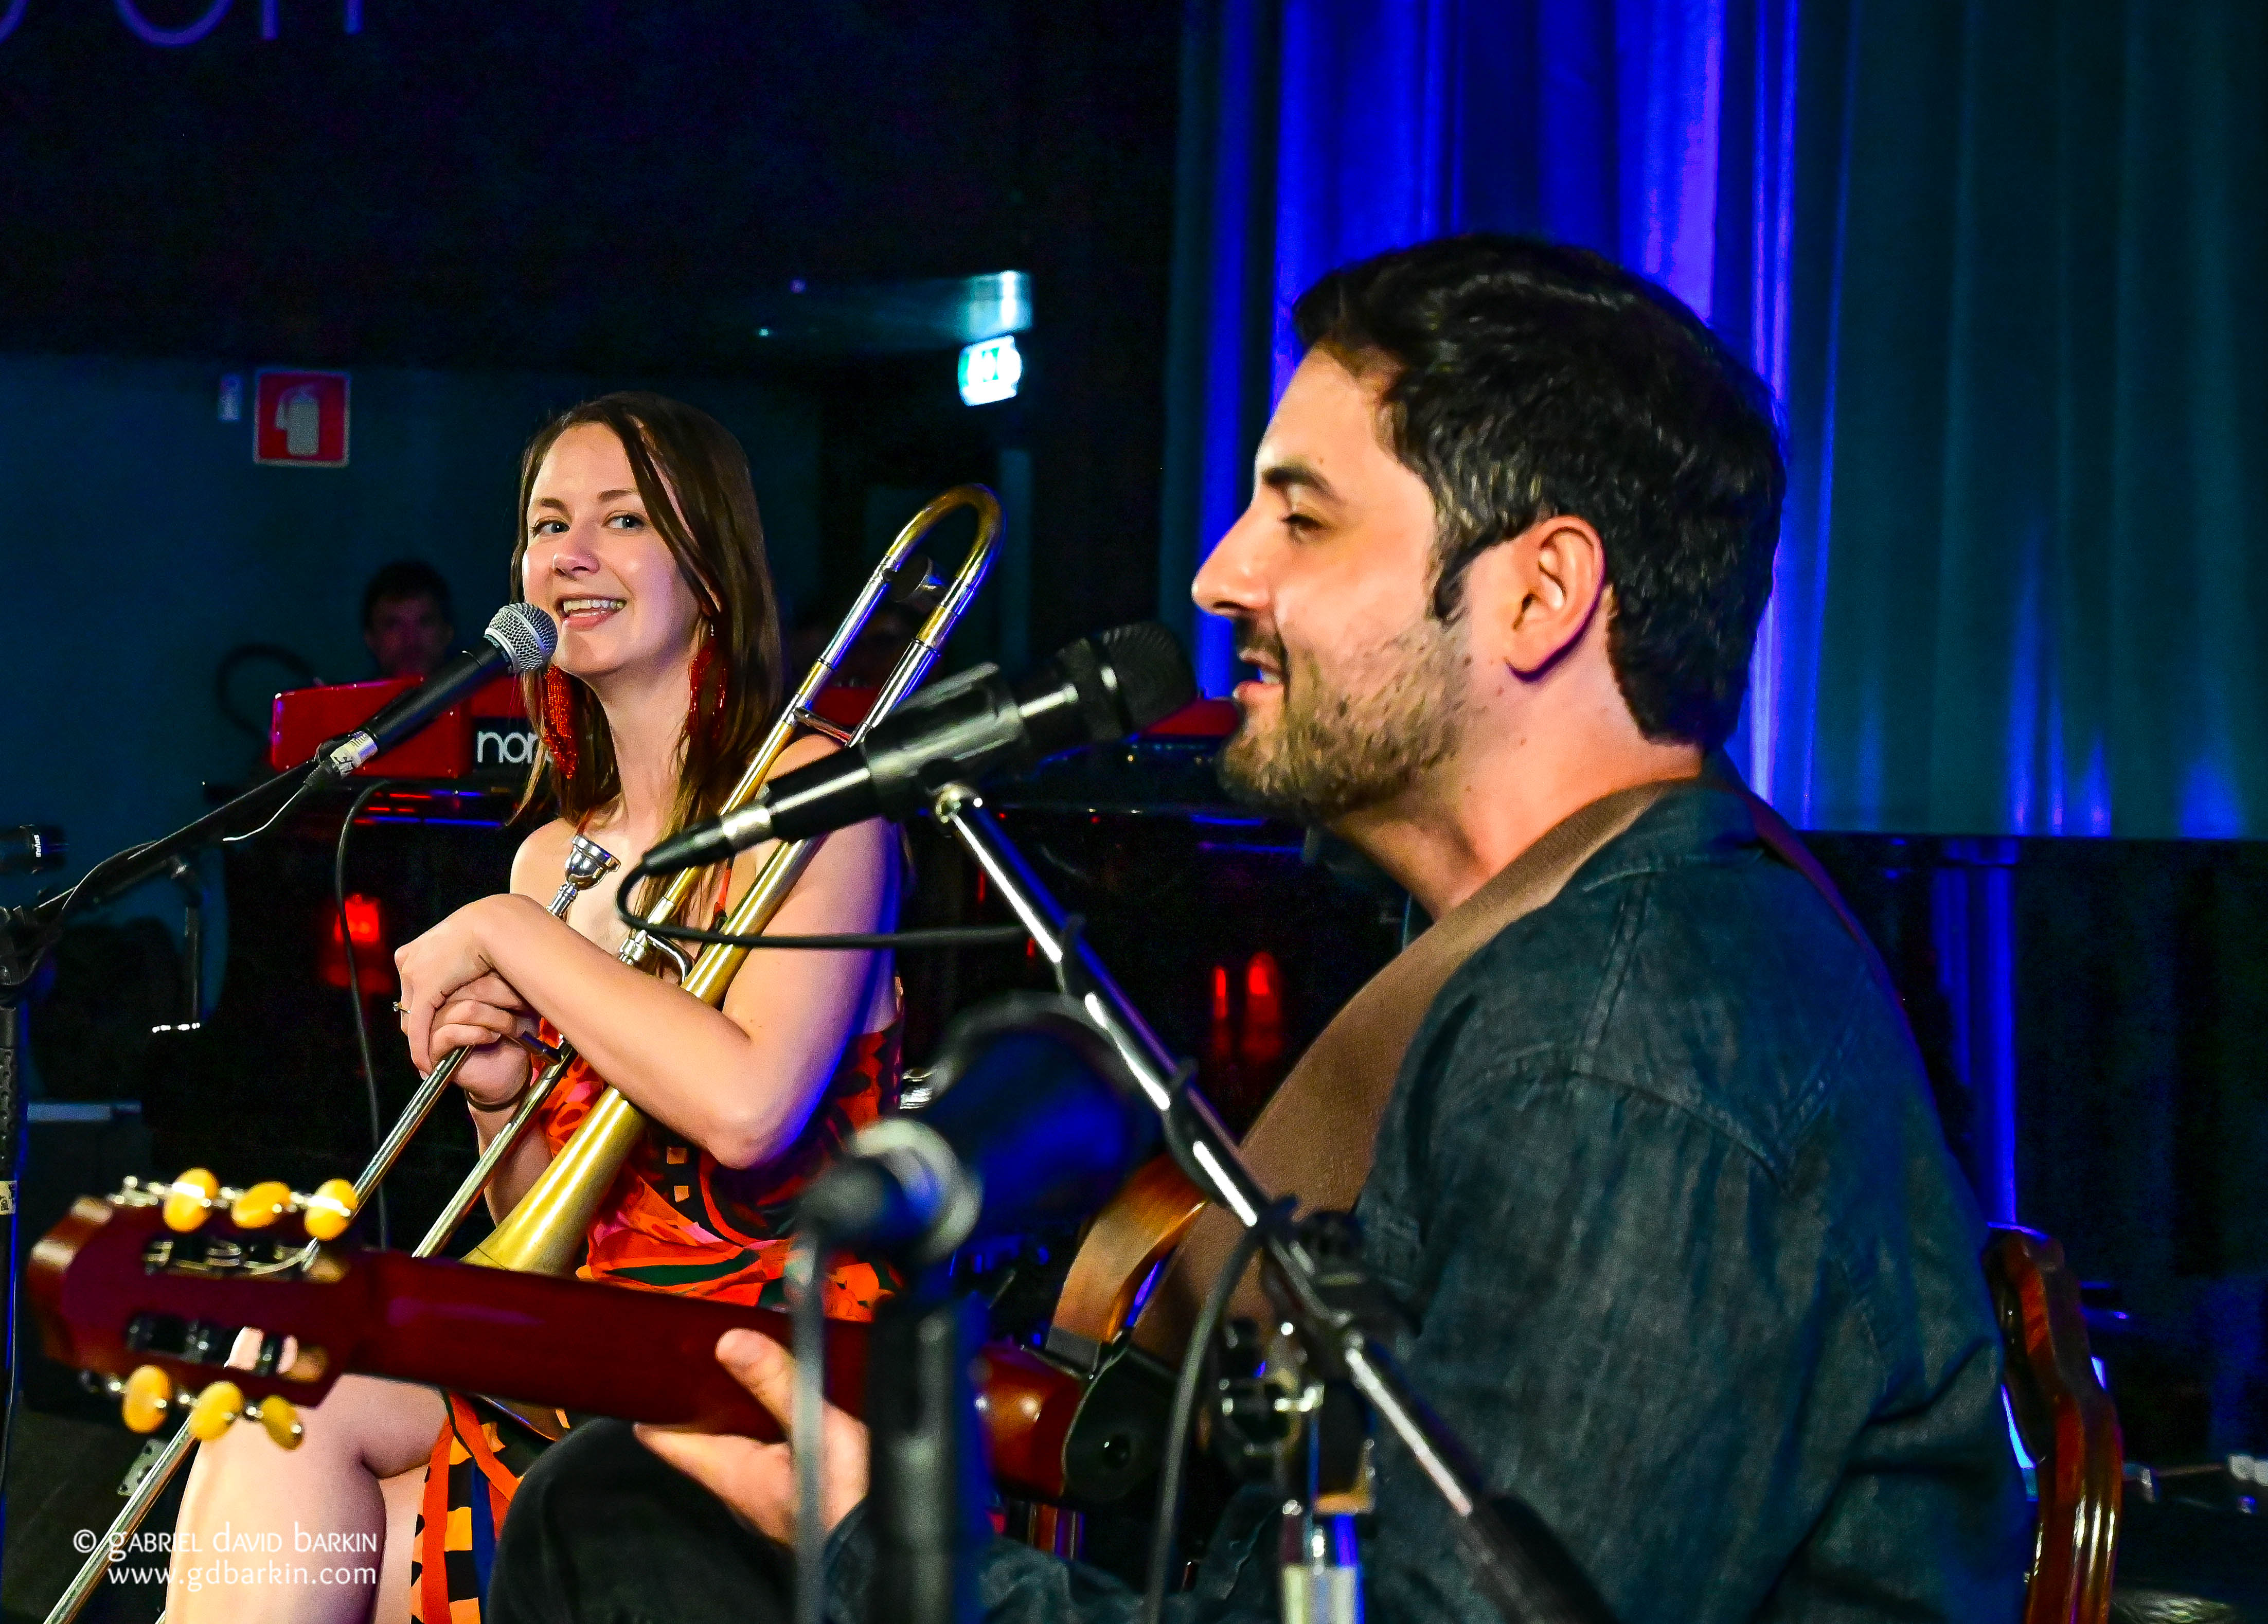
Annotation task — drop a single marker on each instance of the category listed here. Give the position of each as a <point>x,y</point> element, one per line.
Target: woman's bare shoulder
<point>855,839</point>
<point>809,748</point>
<point>542,853</point>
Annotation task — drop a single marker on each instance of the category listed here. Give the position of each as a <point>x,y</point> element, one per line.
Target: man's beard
<point>1333,751</point>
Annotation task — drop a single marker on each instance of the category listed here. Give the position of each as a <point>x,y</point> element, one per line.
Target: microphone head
<point>527,635</point>
<point>1149,676</point>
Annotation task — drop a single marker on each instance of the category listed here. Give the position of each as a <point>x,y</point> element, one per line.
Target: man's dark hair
<point>405,577</point>
<point>1529,381</point>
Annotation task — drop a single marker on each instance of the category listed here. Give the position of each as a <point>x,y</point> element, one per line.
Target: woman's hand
<point>487,1017</point>
<point>442,969</point>
<point>758,1479</point>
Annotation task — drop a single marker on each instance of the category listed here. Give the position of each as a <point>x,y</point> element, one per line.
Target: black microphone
<point>1098,689</point>
<point>1036,1118</point>
<point>520,639</point>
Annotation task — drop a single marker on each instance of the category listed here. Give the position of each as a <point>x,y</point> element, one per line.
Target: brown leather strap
<point>1780,838</point>
<point>1317,1133</point>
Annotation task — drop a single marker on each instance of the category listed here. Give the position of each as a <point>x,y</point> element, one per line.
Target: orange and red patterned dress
<point>675,1220</point>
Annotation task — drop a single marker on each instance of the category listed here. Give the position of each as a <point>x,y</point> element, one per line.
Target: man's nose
<point>1227,583</point>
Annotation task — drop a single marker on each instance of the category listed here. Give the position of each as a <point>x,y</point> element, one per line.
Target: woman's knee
<point>387,1428</point>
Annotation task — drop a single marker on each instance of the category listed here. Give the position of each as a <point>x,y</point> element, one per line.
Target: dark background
<point>487,213</point>
<point>613,189</point>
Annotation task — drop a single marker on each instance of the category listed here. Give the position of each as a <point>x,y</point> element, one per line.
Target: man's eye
<point>1301,522</point>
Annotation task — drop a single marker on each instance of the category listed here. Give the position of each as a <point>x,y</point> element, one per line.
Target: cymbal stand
<point>1327,1301</point>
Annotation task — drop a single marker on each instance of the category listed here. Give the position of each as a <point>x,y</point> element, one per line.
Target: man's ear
<point>1532,597</point>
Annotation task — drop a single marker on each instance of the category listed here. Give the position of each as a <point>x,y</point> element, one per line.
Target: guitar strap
<point>1318,1131</point>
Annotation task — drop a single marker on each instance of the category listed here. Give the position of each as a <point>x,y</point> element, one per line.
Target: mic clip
<point>351,753</point>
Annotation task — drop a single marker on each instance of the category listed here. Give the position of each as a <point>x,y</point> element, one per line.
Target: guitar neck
<point>113,1290</point>
<point>546,1342</point>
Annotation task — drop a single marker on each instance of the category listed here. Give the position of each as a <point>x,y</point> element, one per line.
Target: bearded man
<point>1659,1189</point>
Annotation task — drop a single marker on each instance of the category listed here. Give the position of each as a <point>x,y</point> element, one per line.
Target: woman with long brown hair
<point>640,536</point>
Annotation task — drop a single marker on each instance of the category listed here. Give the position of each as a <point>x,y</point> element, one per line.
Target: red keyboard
<point>489,732</point>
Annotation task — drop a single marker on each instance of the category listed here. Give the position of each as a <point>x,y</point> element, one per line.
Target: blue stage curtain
<point>2029,392</point>
<point>1996,256</point>
<point>1317,131</point>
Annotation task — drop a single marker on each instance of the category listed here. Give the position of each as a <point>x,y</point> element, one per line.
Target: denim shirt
<point>1687,1267</point>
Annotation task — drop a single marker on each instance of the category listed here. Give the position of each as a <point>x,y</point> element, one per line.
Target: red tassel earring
<point>704,667</point>
<point>558,723</point>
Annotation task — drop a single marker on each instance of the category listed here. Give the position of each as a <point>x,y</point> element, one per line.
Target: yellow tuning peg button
<point>190,1200</point>
<point>329,1209</point>
<point>149,1397</point>
<point>215,1407</point>
<point>260,1205</point>
<point>281,1421</point>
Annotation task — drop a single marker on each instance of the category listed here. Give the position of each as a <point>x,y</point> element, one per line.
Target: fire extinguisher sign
<point>300,419</point>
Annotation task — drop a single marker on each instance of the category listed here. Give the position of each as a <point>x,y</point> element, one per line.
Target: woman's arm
<point>536,871</point>
<point>740,1082</point>
<point>481,1015</point>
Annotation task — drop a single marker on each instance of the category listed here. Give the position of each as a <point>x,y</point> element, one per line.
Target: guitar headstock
<point>117,1287</point>
<point>150,1291</point>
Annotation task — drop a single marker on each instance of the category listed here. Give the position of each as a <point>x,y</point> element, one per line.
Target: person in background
<point>406,619</point>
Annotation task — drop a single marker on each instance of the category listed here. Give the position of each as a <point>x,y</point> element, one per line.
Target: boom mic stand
<point>1326,1300</point>
<point>28,933</point>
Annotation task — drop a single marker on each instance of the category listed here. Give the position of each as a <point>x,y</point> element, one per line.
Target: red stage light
<point>373,959</point>
<point>1263,1042</point>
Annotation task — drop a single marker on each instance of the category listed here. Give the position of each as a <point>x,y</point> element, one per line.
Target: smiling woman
<point>599,511</point>
<point>639,534</point>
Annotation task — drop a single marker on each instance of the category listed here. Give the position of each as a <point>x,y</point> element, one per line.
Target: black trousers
<point>604,1532</point>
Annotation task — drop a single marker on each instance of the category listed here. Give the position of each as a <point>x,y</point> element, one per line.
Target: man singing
<point>1659,1188</point>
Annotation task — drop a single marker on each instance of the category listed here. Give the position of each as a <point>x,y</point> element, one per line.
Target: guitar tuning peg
<point>215,1410</point>
<point>260,1205</point>
<point>221,1405</point>
<point>327,1212</point>
<point>279,1418</point>
<point>145,1398</point>
<point>188,1198</point>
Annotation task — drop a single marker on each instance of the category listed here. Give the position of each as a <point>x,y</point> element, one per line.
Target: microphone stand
<point>27,935</point>
<point>926,1483</point>
<point>1329,1302</point>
